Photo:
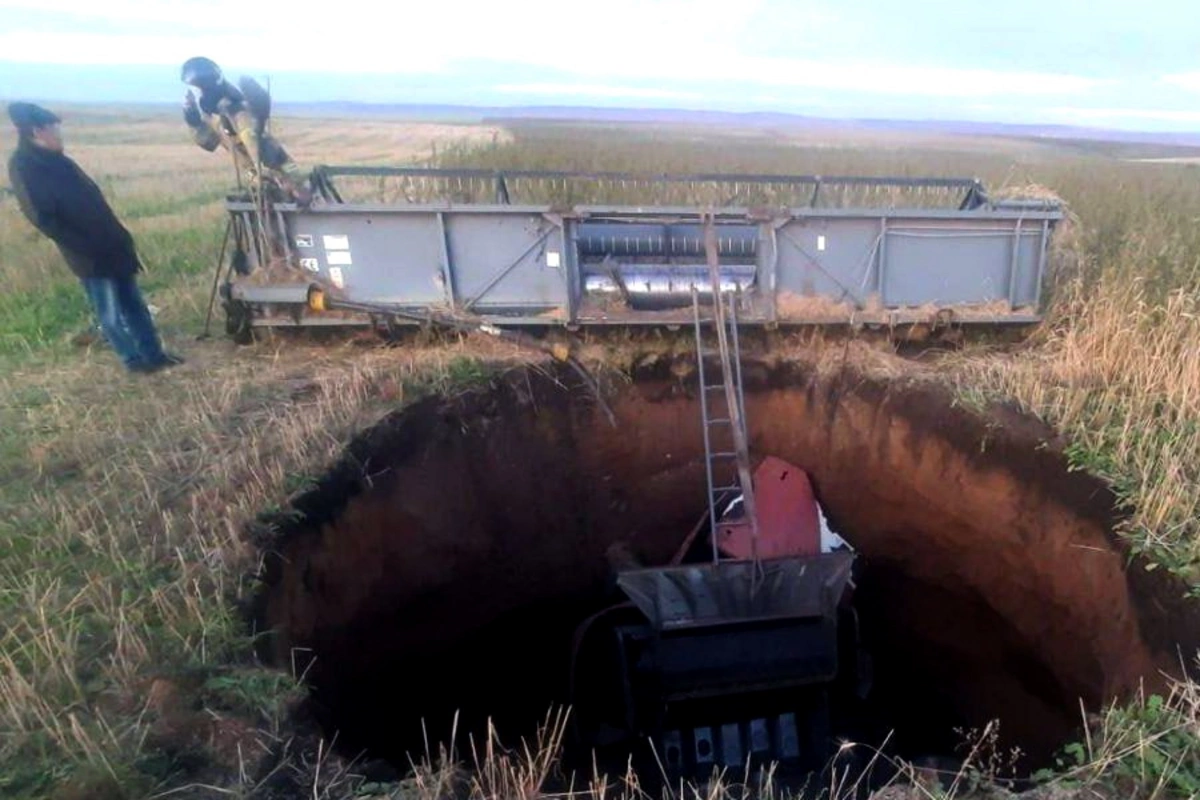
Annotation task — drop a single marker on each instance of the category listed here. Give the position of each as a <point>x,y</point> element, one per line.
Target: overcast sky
<point>1129,65</point>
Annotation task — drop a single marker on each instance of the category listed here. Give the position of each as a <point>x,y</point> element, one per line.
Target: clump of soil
<point>443,565</point>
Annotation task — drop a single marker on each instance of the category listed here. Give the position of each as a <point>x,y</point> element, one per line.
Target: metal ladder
<point>729,388</point>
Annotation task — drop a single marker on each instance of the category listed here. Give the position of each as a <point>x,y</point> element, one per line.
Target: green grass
<point>38,318</point>
<point>1149,747</point>
<point>157,207</point>
<point>49,314</point>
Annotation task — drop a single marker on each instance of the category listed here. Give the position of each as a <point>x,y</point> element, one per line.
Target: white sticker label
<point>553,259</point>
<point>336,242</point>
<point>304,240</point>
<point>335,275</point>
<point>310,264</point>
<point>338,257</point>
<point>820,242</point>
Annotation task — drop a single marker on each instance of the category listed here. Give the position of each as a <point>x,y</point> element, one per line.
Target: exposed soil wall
<point>444,563</point>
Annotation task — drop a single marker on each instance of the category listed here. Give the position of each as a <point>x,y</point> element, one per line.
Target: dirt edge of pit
<point>1004,436</point>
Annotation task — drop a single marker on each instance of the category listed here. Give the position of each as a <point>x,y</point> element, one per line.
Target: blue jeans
<point>125,320</point>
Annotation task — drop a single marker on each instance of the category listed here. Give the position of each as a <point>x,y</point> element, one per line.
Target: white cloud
<point>171,51</point>
<point>358,35</point>
<point>78,13</point>
<point>678,46</point>
<point>594,90</point>
<point>673,71</point>
<point>904,80</point>
<point>1184,80</point>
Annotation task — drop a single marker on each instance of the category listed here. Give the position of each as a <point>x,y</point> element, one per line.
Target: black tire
<point>237,322</point>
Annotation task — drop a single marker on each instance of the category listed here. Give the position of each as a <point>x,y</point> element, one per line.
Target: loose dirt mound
<point>443,565</point>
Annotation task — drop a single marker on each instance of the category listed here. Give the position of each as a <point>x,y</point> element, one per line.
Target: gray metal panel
<point>1029,267</point>
<point>507,261</point>
<point>295,294</point>
<point>833,259</point>
<point>963,263</point>
<point>742,212</point>
<point>499,257</point>
<point>393,258</point>
<point>421,208</point>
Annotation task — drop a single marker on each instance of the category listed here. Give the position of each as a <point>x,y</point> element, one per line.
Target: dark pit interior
<point>443,565</point>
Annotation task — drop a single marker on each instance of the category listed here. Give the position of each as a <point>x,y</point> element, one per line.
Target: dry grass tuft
<point>1123,378</point>
<point>1116,368</point>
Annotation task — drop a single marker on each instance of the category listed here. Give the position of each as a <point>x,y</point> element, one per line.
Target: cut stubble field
<point>129,543</point>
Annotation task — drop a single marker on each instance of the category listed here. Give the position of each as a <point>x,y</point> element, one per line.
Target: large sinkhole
<point>443,567</point>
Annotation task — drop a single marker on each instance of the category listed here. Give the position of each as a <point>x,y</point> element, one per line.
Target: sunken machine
<point>737,651</point>
<point>542,249</point>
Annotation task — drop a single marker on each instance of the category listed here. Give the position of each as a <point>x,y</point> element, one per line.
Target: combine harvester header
<point>522,248</point>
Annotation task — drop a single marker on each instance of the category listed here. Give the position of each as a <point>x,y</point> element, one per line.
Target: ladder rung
<point>722,489</point>
<point>724,455</point>
<point>720,421</point>
<point>716,387</point>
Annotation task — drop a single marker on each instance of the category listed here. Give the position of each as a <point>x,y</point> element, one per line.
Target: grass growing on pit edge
<point>1149,747</point>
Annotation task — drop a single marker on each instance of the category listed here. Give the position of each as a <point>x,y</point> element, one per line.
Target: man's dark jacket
<point>65,204</point>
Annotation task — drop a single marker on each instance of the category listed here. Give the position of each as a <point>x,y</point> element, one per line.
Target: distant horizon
<point>665,114</point>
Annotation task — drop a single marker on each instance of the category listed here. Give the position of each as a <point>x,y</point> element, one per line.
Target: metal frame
<point>966,222</point>
<point>973,190</point>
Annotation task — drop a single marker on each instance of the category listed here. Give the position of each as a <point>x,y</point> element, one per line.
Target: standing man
<point>62,202</point>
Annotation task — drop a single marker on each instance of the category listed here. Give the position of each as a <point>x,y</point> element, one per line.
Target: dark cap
<point>27,116</point>
<point>200,72</point>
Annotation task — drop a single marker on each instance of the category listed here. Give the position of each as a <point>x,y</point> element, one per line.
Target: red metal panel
<point>787,515</point>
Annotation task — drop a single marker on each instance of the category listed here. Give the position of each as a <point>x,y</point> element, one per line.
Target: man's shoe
<point>144,368</point>
<point>168,360</point>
